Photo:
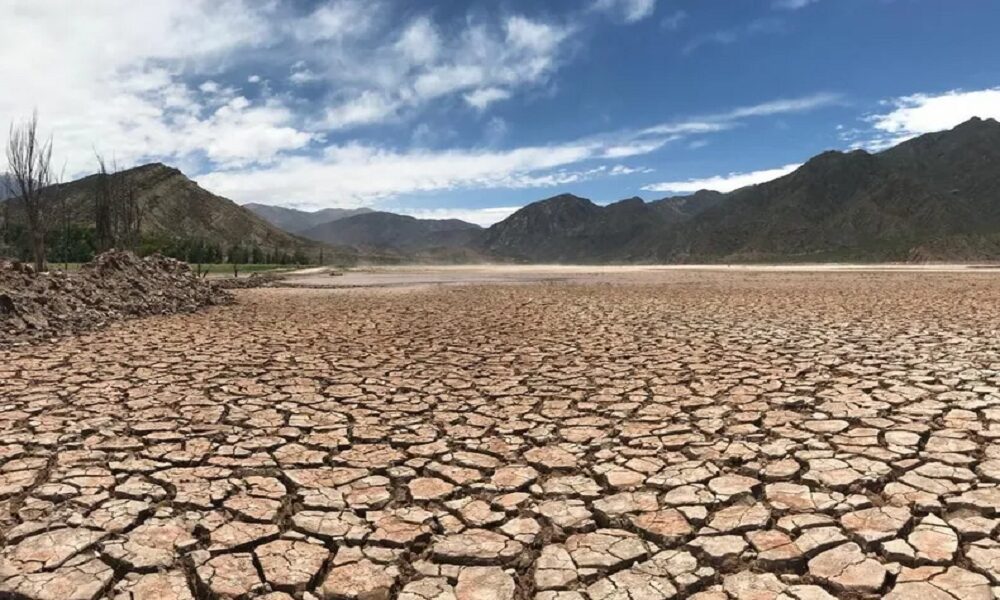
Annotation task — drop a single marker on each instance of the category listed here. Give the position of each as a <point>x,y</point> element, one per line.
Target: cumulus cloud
<point>145,80</point>
<point>917,114</point>
<point>358,174</point>
<point>362,174</point>
<point>924,113</point>
<point>112,80</point>
<point>406,71</point>
<point>722,183</point>
<point>482,98</point>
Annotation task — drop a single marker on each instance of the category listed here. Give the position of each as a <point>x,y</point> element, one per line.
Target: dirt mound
<point>116,285</point>
<point>255,280</point>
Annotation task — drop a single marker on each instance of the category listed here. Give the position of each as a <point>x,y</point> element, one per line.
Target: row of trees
<point>48,228</point>
<point>197,251</point>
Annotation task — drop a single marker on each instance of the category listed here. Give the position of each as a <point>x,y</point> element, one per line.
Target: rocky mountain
<point>297,221</point>
<point>935,197</point>
<point>389,231</point>
<point>173,207</point>
<point>568,228</point>
<point>900,204</point>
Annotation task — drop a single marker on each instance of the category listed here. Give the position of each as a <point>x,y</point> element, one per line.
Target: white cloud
<point>111,79</point>
<point>144,81</point>
<point>635,147</point>
<point>483,217</point>
<point>420,42</point>
<point>630,11</point>
<point>358,175</point>
<point>924,113</point>
<point>625,170</point>
<point>482,98</point>
<point>336,20</point>
<point>412,68</point>
<point>722,183</point>
<point>369,107</point>
<point>783,106</point>
<point>917,114</point>
<point>756,27</point>
<point>722,121</point>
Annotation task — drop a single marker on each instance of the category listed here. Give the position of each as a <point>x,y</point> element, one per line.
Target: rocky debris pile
<point>116,285</point>
<point>254,280</point>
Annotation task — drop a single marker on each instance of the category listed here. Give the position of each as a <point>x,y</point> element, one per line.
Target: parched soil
<point>711,435</point>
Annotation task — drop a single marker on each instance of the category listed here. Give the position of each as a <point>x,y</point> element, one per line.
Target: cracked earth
<point>788,436</point>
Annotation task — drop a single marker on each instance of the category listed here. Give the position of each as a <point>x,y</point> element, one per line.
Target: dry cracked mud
<point>792,436</point>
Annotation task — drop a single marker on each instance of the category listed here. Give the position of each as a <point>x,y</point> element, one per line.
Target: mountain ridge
<point>386,230</point>
<point>903,203</point>
<point>296,221</point>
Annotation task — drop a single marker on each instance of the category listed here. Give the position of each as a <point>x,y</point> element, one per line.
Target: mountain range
<point>934,197</point>
<point>296,221</point>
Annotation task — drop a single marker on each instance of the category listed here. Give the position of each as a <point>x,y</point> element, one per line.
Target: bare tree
<point>103,236</point>
<point>28,160</point>
<point>117,213</point>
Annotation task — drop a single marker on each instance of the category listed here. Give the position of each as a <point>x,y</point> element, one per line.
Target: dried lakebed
<point>794,436</point>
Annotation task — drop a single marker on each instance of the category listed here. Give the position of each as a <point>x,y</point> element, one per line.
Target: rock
<point>431,588</point>
<point>605,548</point>
<point>550,458</point>
<point>984,555</point>
<point>554,568</point>
<point>934,541</point>
<point>936,583</point>
<point>847,568</point>
<point>876,524</point>
<point>228,575</point>
<point>720,548</point>
<point>667,527</point>
<point>290,564</point>
<point>753,586</point>
<point>361,580</point>
<point>46,551</point>
<point>739,518</point>
<point>166,585</point>
<point>80,578</point>
<point>484,583</point>
<point>34,306</point>
<point>476,547</point>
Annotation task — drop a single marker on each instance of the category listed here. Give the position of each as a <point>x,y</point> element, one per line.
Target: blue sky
<point>472,109</point>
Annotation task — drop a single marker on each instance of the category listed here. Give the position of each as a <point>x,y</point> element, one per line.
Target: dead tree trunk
<point>28,160</point>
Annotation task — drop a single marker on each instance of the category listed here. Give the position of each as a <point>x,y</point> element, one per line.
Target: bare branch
<point>29,164</point>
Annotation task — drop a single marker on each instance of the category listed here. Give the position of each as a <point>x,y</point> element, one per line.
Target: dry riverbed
<point>588,434</point>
